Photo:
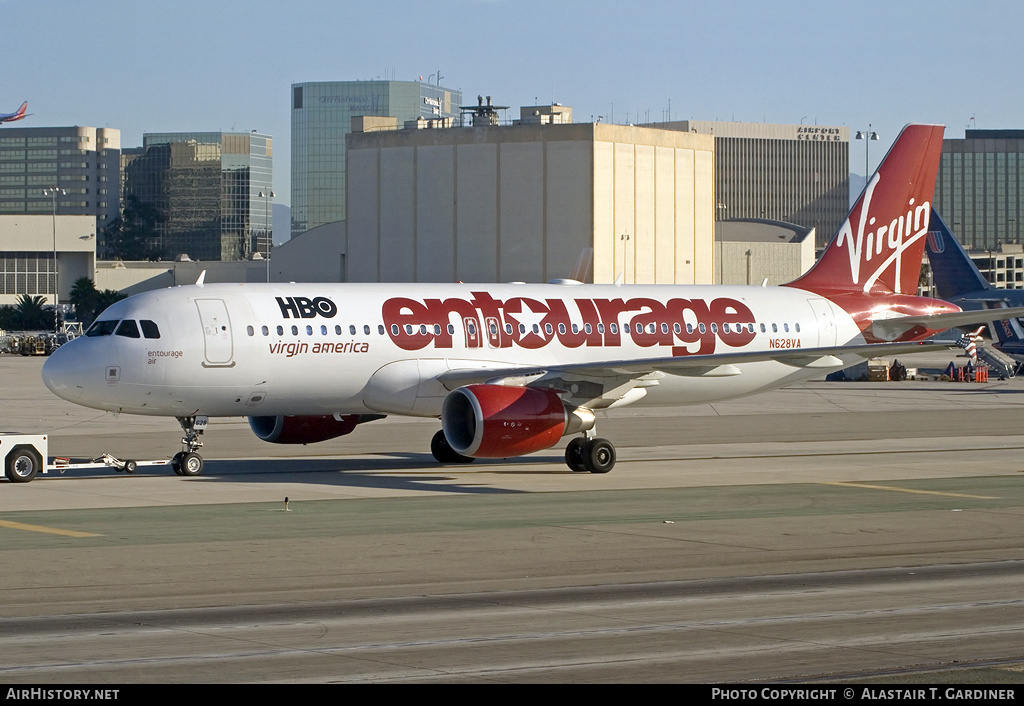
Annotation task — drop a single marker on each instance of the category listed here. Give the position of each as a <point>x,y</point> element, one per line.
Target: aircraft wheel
<point>599,456</point>
<point>23,464</point>
<point>443,451</point>
<point>130,466</point>
<point>191,464</point>
<point>176,463</point>
<point>574,452</point>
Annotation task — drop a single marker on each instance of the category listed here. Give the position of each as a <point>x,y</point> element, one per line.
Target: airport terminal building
<point>35,248</point>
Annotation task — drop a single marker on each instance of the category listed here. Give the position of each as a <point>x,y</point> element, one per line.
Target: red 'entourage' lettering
<point>697,324</point>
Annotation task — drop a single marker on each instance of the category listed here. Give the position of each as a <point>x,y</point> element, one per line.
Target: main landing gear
<point>187,462</point>
<point>582,455</point>
<point>595,455</point>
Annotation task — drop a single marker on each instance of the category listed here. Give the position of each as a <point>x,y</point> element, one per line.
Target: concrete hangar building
<point>524,202</point>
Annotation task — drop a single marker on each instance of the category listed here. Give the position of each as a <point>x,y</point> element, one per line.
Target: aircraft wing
<point>724,364</point>
<point>713,365</point>
<point>892,328</point>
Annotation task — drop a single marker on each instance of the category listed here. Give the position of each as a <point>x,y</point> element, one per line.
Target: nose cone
<point>64,372</point>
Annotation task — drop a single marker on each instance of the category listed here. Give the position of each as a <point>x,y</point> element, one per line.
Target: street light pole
<point>269,230</point>
<point>52,192</point>
<point>867,136</point>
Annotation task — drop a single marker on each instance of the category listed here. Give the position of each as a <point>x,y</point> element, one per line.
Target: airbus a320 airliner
<point>511,369</point>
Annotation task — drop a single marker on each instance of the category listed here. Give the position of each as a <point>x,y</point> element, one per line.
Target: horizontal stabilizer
<point>889,329</point>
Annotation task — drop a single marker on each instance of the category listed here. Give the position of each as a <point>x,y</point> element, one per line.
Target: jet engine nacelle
<point>499,421</point>
<point>303,429</point>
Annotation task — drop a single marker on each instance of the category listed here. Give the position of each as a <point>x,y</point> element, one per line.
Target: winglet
<point>202,278</point>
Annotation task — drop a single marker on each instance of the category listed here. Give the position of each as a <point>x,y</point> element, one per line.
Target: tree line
<point>32,313</point>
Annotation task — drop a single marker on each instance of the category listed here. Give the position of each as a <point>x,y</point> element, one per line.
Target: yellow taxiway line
<point>910,490</point>
<point>46,530</point>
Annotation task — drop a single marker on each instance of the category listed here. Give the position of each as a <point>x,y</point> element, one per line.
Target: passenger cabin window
<point>128,329</point>
<point>102,328</point>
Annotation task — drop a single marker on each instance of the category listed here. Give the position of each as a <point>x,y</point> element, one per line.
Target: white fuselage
<point>296,349</point>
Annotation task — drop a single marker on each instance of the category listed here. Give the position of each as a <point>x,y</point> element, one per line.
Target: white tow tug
<point>25,456</point>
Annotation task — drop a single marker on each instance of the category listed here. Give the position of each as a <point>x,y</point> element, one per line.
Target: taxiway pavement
<point>823,531</point>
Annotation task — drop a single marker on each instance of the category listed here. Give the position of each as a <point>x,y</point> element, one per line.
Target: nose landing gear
<point>187,462</point>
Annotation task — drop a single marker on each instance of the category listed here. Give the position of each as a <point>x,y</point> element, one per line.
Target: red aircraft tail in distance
<point>16,115</point>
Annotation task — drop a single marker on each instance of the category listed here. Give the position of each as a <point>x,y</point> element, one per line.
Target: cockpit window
<point>102,328</point>
<point>150,329</point>
<point>128,329</point>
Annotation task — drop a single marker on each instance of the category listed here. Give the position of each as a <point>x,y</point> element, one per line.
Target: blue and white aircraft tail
<point>958,280</point>
<point>954,273</point>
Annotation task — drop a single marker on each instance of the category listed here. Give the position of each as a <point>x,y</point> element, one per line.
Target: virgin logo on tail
<point>889,239</point>
<point>880,246</point>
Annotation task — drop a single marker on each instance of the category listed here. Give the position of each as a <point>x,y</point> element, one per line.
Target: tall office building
<point>82,163</point>
<point>980,189</point>
<point>793,173</point>
<point>211,189</point>
<point>322,115</point>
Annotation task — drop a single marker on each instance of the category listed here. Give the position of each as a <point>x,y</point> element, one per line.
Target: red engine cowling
<point>302,429</point>
<point>498,421</point>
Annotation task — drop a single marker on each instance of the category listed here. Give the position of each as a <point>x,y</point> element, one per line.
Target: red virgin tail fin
<point>880,245</point>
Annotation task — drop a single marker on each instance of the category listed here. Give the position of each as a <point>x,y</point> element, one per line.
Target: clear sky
<point>183,65</point>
